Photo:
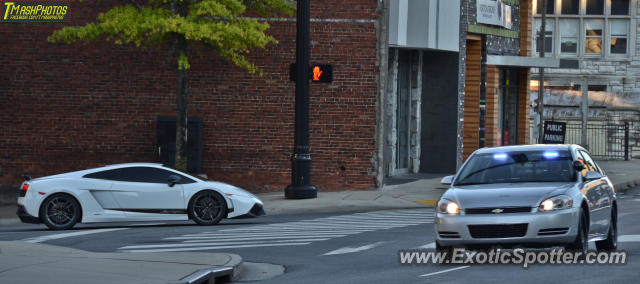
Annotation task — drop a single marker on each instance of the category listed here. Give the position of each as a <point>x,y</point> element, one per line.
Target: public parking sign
<point>554,132</point>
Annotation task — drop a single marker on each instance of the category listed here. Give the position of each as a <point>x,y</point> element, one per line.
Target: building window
<point>548,38</point>
<point>570,7</point>
<point>619,7</point>
<point>593,35</point>
<point>619,30</point>
<point>585,28</point>
<point>595,7</point>
<point>569,36</point>
<point>550,7</point>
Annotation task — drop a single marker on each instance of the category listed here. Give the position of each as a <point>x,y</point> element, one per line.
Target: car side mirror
<point>448,180</point>
<point>591,175</point>
<point>579,166</point>
<point>173,179</point>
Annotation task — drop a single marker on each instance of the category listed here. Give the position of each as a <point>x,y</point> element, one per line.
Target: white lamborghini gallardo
<point>131,192</point>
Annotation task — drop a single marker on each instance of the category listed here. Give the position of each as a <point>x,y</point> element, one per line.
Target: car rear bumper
<point>25,217</point>
<point>514,228</point>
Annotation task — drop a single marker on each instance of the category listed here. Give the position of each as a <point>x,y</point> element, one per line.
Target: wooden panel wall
<point>526,25</point>
<point>493,133</point>
<point>472,98</point>
<point>526,33</point>
<point>523,107</point>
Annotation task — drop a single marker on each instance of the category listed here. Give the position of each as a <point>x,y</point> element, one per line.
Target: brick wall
<point>85,105</point>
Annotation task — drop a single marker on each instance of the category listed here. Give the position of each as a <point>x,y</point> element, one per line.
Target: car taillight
<point>25,187</point>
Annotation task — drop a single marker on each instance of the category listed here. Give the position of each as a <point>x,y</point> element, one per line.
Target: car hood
<point>505,195</point>
<point>227,188</point>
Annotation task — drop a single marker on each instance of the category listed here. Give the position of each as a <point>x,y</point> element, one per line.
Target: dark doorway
<point>167,143</point>
<point>439,112</point>
<point>508,114</point>
<point>403,112</point>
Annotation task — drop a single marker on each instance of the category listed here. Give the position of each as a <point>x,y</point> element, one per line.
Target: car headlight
<point>448,207</point>
<point>556,203</point>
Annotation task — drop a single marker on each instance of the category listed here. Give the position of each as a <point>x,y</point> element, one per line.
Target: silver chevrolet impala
<point>542,195</point>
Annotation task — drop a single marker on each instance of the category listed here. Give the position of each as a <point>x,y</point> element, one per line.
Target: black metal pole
<point>543,36</point>
<point>626,140</point>
<point>300,187</point>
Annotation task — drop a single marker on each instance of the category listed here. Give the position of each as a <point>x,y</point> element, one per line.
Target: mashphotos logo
<point>35,11</point>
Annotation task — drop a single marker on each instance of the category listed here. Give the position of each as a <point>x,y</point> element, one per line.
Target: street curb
<point>218,274</point>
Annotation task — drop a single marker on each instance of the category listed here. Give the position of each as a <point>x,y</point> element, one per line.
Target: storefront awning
<point>535,62</point>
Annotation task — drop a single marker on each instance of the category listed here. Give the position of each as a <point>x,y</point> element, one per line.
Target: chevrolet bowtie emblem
<point>497,210</point>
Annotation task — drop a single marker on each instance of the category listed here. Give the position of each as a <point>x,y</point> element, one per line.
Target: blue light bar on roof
<point>551,154</point>
<point>500,156</point>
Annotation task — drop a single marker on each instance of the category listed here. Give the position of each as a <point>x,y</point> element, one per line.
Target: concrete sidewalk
<point>22,262</point>
<point>420,193</point>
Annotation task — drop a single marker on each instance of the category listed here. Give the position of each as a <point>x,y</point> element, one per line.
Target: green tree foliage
<point>219,25</point>
<point>215,23</point>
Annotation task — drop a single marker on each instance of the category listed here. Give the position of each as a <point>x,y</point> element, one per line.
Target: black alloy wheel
<point>207,207</point>
<point>60,212</point>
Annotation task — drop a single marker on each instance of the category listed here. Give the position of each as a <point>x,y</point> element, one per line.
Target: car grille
<point>449,235</point>
<point>498,231</point>
<point>504,210</point>
<point>553,231</point>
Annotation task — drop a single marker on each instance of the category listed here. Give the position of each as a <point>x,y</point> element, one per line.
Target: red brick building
<point>71,107</point>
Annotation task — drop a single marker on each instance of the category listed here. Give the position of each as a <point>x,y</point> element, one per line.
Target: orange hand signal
<point>317,73</point>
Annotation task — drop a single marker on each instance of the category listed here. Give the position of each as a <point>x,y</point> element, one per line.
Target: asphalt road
<point>337,248</point>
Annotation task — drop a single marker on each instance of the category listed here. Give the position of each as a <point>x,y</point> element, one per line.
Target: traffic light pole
<point>300,187</point>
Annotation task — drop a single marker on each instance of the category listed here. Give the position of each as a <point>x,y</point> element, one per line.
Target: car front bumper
<point>256,211</point>
<point>558,227</point>
<point>25,217</point>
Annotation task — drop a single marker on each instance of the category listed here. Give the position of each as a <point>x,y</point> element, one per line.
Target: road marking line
<point>443,271</point>
<point>385,219</point>
<point>353,249</point>
<point>408,214</point>
<point>218,247</point>
<point>306,230</point>
<point>215,244</point>
<point>274,234</point>
<point>262,238</point>
<point>266,234</point>
<point>427,202</point>
<point>67,235</point>
<point>629,238</point>
<point>379,224</point>
<point>382,221</point>
<point>428,246</point>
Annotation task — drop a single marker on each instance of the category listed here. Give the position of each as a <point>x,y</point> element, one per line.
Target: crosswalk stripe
<point>629,238</point>
<point>72,234</point>
<point>218,247</point>
<point>300,232</point>
<point>267,233</point>
<point>371,220</point>
<point>261,238</point>
<point>215,244</point>
<point>353,249</point>
<point>428,246</point>
<point>332,226</point>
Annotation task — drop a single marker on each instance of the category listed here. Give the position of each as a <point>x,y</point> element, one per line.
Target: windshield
<point>512,167</point>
